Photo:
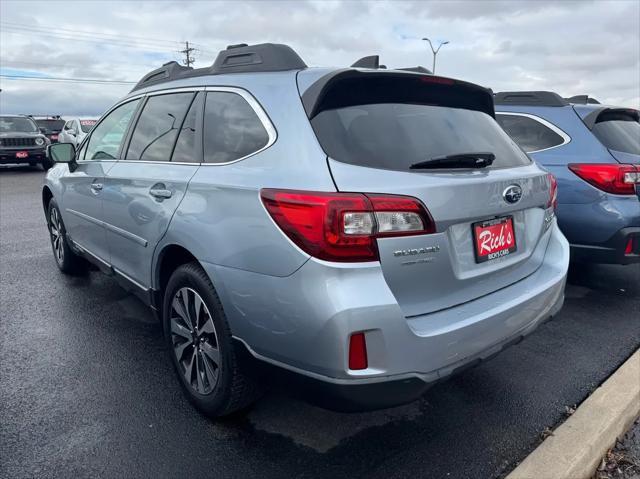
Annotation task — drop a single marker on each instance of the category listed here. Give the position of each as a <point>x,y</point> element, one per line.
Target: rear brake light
<point>344,226</point>
<point>553,192</point>
<point>616,179</point>
<point>358,352</point>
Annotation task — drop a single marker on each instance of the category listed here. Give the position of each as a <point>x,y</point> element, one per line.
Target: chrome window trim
<point>565,138</point>
<point>272,133</point>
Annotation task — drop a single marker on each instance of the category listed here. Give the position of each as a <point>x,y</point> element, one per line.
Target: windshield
<point>51,126</point>
<point>17,123</point>
<point>397,135</point>
<point>86,125</point>
<point>619,133</point>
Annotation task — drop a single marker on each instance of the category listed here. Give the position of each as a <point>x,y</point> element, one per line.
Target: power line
<point>155,48</point>
<point>67,79</point>
<point>86,32</point>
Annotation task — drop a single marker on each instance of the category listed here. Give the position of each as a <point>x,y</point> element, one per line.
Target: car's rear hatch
<point>374,125</point>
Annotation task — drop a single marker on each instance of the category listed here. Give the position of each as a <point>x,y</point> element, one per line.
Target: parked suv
<point>594,152</point>
<point>21,141</point>
<point>51,126</point>
<point>360,233</point>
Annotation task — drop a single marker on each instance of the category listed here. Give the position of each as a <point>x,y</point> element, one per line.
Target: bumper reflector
<point>357,352</point>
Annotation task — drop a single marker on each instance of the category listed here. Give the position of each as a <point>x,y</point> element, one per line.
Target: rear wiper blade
<point>461,160</point>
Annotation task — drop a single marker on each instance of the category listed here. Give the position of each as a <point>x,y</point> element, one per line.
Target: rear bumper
<point>298,327</point>
<point>35,155</point>
<point>611,251</point>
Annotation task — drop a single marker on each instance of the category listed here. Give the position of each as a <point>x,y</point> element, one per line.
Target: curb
<point>577,446</point>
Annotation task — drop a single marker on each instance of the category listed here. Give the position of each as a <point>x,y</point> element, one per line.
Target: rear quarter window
<point>619,132</point>
<point>232,129</point>
<point>531,134</point>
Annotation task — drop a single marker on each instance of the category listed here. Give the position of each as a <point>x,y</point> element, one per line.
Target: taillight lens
<point>344,226</point>
<point>616,179</point>
<point>553,192</point>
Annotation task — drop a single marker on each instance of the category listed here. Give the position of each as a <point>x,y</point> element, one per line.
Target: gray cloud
<point>572,47</point>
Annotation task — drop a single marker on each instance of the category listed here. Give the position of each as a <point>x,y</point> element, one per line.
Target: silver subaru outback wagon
<point>354,234</point>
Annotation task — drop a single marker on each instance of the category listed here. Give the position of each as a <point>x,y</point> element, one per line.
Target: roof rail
<point>582,100</point>
<point>239,58</point>
<point>532,98</point>
<point>372,61</point>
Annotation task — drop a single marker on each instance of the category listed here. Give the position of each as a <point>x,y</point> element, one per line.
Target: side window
<point>68,125</point>
<point>107,136</point>
<point>157,128</point>
<point>530,134</point>
<point>185,150</point>
<point>232,129</point>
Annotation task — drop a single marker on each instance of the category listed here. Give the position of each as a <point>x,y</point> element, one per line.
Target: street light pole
<point>435,52</point>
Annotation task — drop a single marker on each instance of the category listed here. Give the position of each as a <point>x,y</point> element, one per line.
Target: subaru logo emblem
<point>512,194</point>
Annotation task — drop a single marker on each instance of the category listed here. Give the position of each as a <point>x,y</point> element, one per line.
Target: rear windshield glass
<point>50,125</point>
<point>396,135</point>
<point>618,132</point>
<point>86,125</point>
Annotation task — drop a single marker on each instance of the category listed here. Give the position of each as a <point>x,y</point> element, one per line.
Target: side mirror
<point>61,153</point>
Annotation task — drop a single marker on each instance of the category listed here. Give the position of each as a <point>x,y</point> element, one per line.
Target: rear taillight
<point>616,179</point>
<point>344,226</point>
<point>553,192</point>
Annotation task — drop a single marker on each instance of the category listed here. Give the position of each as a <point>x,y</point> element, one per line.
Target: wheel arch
<point>47,195</point>
<point>169,258</point>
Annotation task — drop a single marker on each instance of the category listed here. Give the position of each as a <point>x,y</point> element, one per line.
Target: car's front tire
<point>199,340</point>
<point>68,262</point>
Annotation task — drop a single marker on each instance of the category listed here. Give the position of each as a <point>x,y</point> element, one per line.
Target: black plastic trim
<point>610,252</point>
<point>240,58</point>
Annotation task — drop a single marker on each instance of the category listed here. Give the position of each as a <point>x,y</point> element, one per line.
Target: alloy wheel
<point>194,340</point>
<point>55,228</point>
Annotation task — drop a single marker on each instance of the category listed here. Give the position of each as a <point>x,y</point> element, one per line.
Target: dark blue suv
<point>594,152</point>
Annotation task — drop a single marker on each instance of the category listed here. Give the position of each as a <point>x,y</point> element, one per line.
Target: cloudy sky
<point>572,47</point>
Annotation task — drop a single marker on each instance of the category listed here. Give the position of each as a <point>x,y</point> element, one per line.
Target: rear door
<point>143,190</point>
<point>373,138</point>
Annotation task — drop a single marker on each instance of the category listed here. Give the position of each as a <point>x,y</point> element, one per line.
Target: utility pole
<point>188,59</point>
<point>435,52</point>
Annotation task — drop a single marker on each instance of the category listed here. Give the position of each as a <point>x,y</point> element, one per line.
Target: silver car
<point>354,234</point>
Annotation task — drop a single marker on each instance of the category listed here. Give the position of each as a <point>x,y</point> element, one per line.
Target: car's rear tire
<point>68,262</point>
<point>199,340</point>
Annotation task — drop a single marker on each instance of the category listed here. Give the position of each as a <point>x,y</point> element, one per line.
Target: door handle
<point>159,192</point>
<point>96,188</point>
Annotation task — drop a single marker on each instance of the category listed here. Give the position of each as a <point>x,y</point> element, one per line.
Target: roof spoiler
<point>348,87</point>
<point>530,98</point>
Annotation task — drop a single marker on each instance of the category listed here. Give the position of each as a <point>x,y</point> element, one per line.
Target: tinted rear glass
<point>618,132</point>
<point>530,134</point>
<point>396,135</point>
<point>51,125</point>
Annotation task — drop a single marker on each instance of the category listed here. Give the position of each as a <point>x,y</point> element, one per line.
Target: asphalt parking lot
<point>86,389</point>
